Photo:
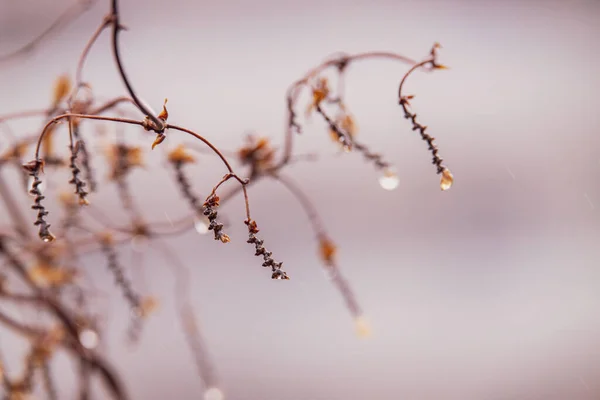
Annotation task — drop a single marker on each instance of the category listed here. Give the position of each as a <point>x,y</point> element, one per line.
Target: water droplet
<point>389,180</point>
<point>201,225</point>
<point>446,180</point>
<point>47,239</point>
<point>214,394</point>
<point>363,328</point>
<point>88,339</point>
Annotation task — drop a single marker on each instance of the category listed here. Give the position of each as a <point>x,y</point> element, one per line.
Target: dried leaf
<point>224,238</point>
<point>67,198</point>
<point>62,88</point>
<point>16,151</point>
<point>148,305</point>
<point>164,114</point>
<point>327,250</point>
<point>319,93</point>
<point>181,155</point>
<point>159,139</point>
<point>48,275</point>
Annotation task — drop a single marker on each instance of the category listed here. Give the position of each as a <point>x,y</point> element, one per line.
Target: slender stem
<point>209,144</point>
<point>205,365</point>
<point>307,205</point>
<point>78,74</point>
<point>23,114</point>
<point>116,28</point>
<point>410,71</point>
<point>341,62</point>
<point>83,116</point>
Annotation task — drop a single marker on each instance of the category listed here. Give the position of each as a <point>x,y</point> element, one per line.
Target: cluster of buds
<point>34,168</point>
<point>277,272</point>
<point>75,171</point>
<point>257,153</point>
<point>149,125</point>
<point>210,212</point>
<point>122,158</point>
<point>320,91</point>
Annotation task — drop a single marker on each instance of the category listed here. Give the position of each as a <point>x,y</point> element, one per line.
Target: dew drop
<point>214,394</point>
<point>363,328</point>
<point>88,339</point>
<point>447,179</point>
<point>47,237</point>
<point>389,180</point>
<point>201,225</point>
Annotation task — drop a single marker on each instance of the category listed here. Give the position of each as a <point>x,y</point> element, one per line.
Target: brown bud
<point>164,114</point>
<point>62,87</point>
<point>327,250</point>
<point>252,228</point>
<point>34,166</point>
<point>180,155</point>
<point>225,238</point>
<point>159,139</point>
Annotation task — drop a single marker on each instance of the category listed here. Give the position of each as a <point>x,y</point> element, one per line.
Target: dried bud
<point>164,114</point>
<point>181,155</point>
<point>346,124</point>
<point>67,198</point>
<point>159,139</point>
<point>225,238</point>
<point>252,228</point>
<point>34,166</point>
<point>62,87</point>
<point>258,152</point>
<point>106,238</point>
<point>147,306</point>
<point>212,201</point>
<point>320,92</point>
<point>327,250</point>
<point>45,274</point>
<point>17,151</point>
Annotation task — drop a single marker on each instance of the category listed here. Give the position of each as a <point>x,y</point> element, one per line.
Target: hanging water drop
<point>363,328</point>
<point>446,180</point>
<point>201,225</point>
<point>88,339</point>
<point>46,236</point>
<point>214,394</point>
<point>389,180</point>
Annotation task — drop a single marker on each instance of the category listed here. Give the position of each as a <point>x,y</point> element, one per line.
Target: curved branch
<point>116,28</point>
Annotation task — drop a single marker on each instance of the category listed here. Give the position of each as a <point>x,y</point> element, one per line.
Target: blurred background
<point>490,291</point>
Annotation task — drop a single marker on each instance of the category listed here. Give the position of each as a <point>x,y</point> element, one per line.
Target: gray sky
<point>489,291</point>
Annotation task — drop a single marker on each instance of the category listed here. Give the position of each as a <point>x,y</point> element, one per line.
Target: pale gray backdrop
<point>490,291</point>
